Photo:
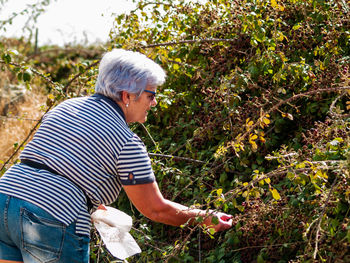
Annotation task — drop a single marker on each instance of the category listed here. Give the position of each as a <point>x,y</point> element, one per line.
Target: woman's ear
<point>125,96</point>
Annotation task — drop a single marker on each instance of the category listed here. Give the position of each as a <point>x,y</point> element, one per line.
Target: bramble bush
<point>253,120</point>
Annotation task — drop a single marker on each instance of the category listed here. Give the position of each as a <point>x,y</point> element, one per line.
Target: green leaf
<point>215,220</point>
<point>27,76</point>
<point>212,231</point>
<point>260,259</point>
<point>20,76</point>
<point>6,58</point>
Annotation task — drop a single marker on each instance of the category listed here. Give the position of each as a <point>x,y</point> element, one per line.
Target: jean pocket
<point>42,238</point>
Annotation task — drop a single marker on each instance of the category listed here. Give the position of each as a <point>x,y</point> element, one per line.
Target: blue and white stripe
<point>88,142</point>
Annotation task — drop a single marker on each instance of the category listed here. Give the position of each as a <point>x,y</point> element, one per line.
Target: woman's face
<point>138,108</point>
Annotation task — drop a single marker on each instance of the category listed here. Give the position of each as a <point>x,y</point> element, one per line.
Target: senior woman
<point>82,155</point>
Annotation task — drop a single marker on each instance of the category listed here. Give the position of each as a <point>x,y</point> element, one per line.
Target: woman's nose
<point>154,102</point>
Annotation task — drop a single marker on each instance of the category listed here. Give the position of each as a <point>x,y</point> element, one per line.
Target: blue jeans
<point>29,234</point>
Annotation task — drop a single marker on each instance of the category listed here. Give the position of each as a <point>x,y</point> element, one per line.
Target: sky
<point>68,21</point>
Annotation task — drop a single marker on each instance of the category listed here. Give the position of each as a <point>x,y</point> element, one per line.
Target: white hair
<point>123,70</point>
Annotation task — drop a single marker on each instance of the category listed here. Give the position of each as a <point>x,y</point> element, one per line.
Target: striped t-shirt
<point>88,142</point>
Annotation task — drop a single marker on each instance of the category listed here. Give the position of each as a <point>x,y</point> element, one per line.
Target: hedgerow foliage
<point>253,120</point>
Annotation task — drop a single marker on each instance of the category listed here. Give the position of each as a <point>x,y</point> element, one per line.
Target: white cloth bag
<point>113,226</point>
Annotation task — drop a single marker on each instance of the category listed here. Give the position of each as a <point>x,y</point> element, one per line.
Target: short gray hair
<point>123,70</point>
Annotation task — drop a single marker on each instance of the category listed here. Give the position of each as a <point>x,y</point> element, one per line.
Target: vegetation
<point>253,120</point>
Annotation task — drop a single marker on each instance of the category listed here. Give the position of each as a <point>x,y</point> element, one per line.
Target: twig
<point>183,64</point>
<point>331,108</point>
<point>284,156</point>
<point>199,246</point>
<point>48,80</point>
<point>65,89</point>
<point>182,244</point>
<point>233,193</point>
<point>85,52</point>
<point>177,158</point>
<point>17,118</point>
<point>150,3</point>
<point>152,246</point>
<point>26,139</point>
<point>149,135</point>
<point>266,246</point>
<point>98,251</point>
<point>320,218</point>
<point>191,41</point>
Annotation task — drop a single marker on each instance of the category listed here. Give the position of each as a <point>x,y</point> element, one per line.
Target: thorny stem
<point>331,108</point>
<point>150,245</point>
<point>267,246</point>
<point>321,217</point>
<point>25,140</point>
<point>177,158</point>
<point>192,41</point>
<point>17,118</point>
<point>183,244</point>
<point>78,75</point>
<point>149,135</point>
<point>48,80</point>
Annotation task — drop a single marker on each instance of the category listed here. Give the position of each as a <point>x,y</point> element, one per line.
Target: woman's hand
<point>218,221</point>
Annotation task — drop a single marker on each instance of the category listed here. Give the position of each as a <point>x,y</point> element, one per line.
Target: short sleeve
<point>134,164</point>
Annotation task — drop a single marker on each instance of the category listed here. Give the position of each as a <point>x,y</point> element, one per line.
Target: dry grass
<point>15,127</point>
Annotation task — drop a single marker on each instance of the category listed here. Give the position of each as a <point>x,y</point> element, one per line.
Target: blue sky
<point>69,21</point>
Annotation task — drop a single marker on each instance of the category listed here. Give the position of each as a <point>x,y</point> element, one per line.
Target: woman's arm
<point>150,202</point>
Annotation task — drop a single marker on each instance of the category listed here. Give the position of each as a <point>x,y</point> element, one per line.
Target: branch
<point>183,64</point>
<point>149,3</point>
<point>65,89</point>
<point>152,246</point>
<point>183,244</point>
<point>17,118</point>
<point>85,52</point>
<point>149,135</point>
<point>177,158</point>
<point>320,218</point>
<point>233,193</point>
<point>191,41</point>
<point>332,107</point>
<point>267,246</point>
<point>48,80</point>
<point>27,138</point>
